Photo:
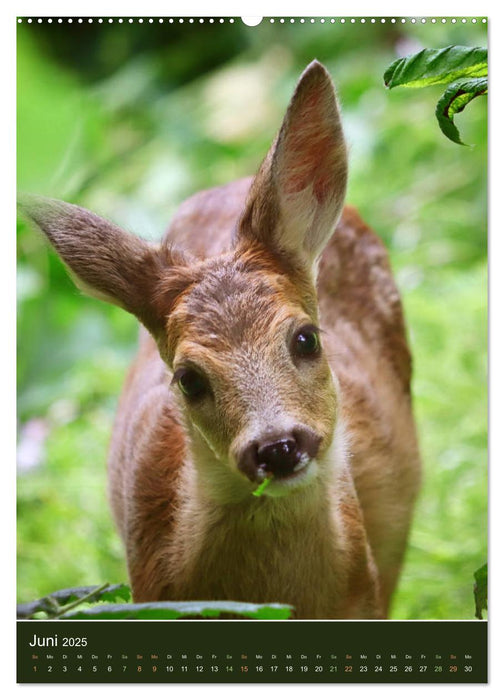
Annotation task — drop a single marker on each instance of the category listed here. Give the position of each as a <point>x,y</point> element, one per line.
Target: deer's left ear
<point>104,261</point>
<point>297,196</point>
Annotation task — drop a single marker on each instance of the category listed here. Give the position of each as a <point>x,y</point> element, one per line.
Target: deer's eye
<point>191,383</point>
<point>307,342</point>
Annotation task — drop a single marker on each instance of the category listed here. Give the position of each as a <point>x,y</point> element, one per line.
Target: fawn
<point>275,350</point>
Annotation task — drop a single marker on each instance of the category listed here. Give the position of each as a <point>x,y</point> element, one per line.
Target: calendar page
<point>252,423</point>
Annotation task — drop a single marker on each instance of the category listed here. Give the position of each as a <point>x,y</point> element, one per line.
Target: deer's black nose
<point>280,455</point>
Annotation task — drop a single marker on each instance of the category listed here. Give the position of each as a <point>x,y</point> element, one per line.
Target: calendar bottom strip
<point>237,651</point>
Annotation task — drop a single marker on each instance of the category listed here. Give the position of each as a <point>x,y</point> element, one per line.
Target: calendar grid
<point>246,651</point>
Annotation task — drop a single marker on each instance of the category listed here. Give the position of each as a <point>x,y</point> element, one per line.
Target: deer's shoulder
<point>358,296</point>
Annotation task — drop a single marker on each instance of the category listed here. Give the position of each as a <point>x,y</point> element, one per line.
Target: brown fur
<point>361,316</point>
<point>241,269</point>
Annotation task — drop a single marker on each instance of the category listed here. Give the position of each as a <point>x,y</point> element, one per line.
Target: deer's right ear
<point>104,261</point>
<point>297,196</point>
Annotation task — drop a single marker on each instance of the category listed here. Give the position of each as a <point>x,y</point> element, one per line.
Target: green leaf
<point>481,591</point>
<point>454,100</point>
<point>175,610</point>
<point>437,66</point>
<point>262,486</point>
<point>115,593</point>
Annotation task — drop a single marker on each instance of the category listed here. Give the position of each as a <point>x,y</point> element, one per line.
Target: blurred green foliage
<point>127,121</point>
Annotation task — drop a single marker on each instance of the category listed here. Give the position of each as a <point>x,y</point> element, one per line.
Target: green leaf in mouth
<point>263,486</point>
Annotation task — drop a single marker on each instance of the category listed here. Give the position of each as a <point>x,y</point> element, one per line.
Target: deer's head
<point>239,331</point>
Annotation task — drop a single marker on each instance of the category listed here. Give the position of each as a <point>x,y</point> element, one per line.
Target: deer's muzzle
<point>280,455</point>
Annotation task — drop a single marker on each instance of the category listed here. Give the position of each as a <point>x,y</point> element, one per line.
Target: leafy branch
<point>61,602</point>
<point>481,591</point>
<point>77,604</point>
<point>464,68</point>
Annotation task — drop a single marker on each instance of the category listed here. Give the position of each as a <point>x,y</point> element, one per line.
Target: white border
<point>273,8</point>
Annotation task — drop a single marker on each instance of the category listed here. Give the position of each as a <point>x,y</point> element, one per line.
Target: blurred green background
<point>127,120</point>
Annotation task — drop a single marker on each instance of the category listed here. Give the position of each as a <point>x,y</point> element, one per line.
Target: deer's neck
<point>290,549</point>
